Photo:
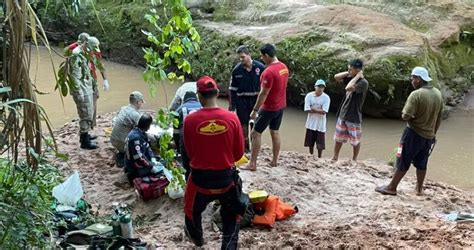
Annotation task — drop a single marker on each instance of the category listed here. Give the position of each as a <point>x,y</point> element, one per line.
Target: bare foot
<point>333,160</point>
<point>251,166</point>
<point>384,190</point>
<point>419,192</point>
<point>273,164</point>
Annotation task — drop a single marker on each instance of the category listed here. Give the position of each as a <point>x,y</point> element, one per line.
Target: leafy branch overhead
<point>174,40</point>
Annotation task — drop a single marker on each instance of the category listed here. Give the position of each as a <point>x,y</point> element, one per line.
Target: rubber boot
<point>86,142</point>
<point>92,137</point>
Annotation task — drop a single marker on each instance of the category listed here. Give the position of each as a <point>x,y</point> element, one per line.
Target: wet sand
<point>337,203</point>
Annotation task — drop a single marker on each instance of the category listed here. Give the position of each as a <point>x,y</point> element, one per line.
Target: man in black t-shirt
<point>244,88</point>
<point>349,114</point>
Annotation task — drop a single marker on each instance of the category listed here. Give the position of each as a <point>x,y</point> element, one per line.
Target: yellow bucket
<point>258,196</point>
<point>108,131</point>
<point>242,161</point>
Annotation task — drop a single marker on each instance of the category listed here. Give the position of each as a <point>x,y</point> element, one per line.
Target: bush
<point>25,204</point>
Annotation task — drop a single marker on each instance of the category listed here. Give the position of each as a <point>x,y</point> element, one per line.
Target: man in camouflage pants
<point>82,93</point>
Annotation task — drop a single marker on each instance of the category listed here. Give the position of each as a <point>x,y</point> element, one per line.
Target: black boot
<point>92,137</point>
<point>86,142</point>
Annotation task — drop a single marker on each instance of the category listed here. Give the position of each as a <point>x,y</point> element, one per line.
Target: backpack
<point>150,187</point>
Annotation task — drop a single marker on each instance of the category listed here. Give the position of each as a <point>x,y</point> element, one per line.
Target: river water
<point>452,160</point>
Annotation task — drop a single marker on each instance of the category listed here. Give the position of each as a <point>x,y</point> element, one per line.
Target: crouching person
<point>140,159</point>
<point>126,119</point>
<point>213,140</point>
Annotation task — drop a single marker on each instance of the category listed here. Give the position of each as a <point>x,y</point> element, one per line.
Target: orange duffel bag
<point>274,209</point>
<point>269,207</point>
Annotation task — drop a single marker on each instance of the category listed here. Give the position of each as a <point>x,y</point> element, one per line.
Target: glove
<point>105,85</point>
<point>154,169</point>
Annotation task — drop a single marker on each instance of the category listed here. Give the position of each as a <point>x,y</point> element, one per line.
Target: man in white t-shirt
<point>316,103</point>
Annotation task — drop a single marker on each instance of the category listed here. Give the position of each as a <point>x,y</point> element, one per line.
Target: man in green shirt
<point>422,112</point>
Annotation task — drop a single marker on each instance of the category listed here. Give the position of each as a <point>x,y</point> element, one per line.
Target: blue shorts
<point>413,149</point>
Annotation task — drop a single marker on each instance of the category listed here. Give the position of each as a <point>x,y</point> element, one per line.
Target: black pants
<point>199,195</point>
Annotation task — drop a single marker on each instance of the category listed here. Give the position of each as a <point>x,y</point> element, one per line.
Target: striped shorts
<point>348,131</point>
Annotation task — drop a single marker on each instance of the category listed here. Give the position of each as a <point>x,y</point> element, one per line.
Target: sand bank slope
<point>338,207</point>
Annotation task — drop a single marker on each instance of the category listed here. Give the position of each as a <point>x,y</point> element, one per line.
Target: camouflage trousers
<point>85,111</point>
<point>95,96</point>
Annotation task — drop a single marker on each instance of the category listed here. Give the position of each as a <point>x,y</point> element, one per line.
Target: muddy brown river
<point>452,160</point>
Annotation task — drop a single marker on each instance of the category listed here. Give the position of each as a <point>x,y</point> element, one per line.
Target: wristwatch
<point>254,109</point>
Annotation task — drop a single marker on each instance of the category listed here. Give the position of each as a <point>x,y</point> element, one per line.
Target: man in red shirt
<point>213,140</point>
<point>270,104</point>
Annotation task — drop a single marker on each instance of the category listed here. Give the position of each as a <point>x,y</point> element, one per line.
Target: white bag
<point>70,191</point>
<point>175,193</point>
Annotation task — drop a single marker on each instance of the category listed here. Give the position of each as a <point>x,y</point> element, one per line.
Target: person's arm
<point>317,111</point>
<point>262,96</point>
<point>135,150</point>
<point>187,131</point>
<point>340,76</point>
<point>239,145</point>
<point>233,93</point>
<point>351,86</point>
<point>410,108</point>
<point>438,120</point>
<point>266,85</point>
<point>406,117</point>
<point>324,109</point>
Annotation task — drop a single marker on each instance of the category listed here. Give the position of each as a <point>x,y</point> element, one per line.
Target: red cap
<point>205,84</point>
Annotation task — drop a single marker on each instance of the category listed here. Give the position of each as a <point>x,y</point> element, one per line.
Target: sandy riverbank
<point>338,207</point>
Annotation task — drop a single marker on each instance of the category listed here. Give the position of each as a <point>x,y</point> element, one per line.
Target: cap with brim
<point>422,73</point>
<point>206,84</point>
<point>320,83</point>
<point>138,95</point>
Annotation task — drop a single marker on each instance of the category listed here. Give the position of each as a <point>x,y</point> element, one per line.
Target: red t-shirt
<point>97,55</point>
<point>213,139</point>
<point>275,78</point>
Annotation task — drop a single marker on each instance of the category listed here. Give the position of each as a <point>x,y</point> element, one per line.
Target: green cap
<point>82,38</point>
<point>93,43</point>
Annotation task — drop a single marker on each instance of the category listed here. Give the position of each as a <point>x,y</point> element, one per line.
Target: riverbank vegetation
<point>26,177</point>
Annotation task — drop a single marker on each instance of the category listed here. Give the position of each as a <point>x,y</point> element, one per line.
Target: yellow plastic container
<point>258,196</point>
<point>242,161</point>
<point>108,131</point>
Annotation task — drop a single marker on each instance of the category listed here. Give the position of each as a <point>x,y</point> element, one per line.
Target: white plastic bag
<point>70,191</point>
<point>175,193</point>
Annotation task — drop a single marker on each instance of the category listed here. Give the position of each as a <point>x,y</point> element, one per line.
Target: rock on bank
<point>317,40</point>
<point>337,204</point>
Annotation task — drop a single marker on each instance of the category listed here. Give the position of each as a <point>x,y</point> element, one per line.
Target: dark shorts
<point>266,118</point>
<point>413,149</point>
<point>312,137</point>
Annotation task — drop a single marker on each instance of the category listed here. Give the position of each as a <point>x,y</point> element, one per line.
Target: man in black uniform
<point>244,88</point>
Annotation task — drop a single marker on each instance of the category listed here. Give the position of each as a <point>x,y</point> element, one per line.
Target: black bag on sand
<point>238,200</point>
<point>245,220</point>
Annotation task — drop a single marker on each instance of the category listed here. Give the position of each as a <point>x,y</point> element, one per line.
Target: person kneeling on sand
<point>316,103</point>
<point>140,159</point>
<point>213,139</point>
<point>126,119</point>
<point>422,112</point>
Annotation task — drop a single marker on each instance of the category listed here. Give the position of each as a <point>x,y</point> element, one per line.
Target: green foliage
<point>167,120</point>
<point>173,41</point>
<point>25,200</point>
<point>65,80</point>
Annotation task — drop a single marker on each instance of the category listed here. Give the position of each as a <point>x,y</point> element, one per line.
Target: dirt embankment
<point>337,203</point>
